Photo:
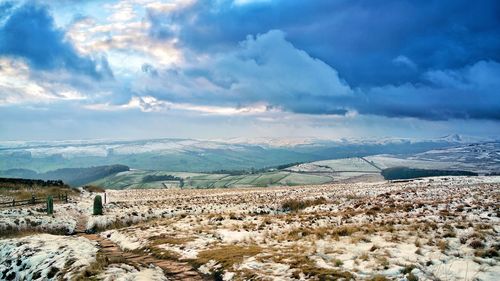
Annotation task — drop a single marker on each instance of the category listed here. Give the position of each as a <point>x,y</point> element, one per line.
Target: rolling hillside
<point>135,179</point>
<point>205,164</point>
<point>197,155</point>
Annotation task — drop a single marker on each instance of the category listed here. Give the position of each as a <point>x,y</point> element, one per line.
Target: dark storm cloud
<point>432,60</point>
<point>29,32</point>
<point>267,68</point>
<point>466,93</point>
<point>361,39</point>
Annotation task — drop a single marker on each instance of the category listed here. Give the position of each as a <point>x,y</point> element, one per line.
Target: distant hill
<point>72,176</point>
<point>140,179</point>
<point>239,164</point>
<point>190,155</point>
<point>460,159</point>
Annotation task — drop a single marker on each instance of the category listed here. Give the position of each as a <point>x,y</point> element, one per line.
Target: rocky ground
<point>443,228</point>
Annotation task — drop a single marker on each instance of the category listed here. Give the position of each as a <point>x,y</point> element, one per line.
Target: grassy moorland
<point>23,189</point>
<point>427,229</point>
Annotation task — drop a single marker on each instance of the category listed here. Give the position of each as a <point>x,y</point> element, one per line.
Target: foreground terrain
<point>444,228</point>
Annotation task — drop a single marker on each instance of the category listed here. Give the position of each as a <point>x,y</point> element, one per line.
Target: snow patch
<point>125,242</point>
<point>124,272</point>
<point>44,256</point>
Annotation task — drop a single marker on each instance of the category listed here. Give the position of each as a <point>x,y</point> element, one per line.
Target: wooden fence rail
<point>33,201</point>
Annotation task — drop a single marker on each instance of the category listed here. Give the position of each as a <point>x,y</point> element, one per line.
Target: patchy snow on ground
<point>124,272</point>
<point>125,242</point>
<point>426,227</point>
<point>443,228</point>
<point>229,236</point>
<point>14,220</point>
<point>44,257</point>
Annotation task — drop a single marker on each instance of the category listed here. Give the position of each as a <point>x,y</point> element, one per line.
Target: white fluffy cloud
<point>124,36</point>
<point>265,69</point>
<point>17,86</point>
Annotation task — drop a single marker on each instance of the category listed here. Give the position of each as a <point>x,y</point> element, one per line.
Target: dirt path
<point>175,270</point>
<point>81,225</point>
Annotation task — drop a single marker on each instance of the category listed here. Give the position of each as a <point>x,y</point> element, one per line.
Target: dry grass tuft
<point>159,240</point>
<point>306,266</point>
<point>379,278</point>
<point>97,267</point>
<point>294,205</point>
<point>443,245</point>
<point>228,255</point>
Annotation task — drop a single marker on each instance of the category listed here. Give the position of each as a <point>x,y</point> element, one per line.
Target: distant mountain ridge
<point>201,155</point>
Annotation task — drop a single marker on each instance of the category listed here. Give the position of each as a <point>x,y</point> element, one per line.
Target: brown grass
<point>443,245</point>
<point>25,193</point>
<point>10,232</point>
<point>158,240</point>
<point>228,255</point>
<point>95,268</point>
<point>162,254</point>
<point>488,253</point>
<point>302,264</point>
<point>379,278</point>
<point>295,205</point>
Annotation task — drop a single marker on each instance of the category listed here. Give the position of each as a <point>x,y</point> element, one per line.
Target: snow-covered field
<point>443,228</point>
<point>477,157</point>
<point>354,164</point>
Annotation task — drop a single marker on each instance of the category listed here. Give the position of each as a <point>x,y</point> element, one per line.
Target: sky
<point>212,69</point>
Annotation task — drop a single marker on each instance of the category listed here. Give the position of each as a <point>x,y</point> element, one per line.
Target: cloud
<point>145,104</point>
<point>470,92</point>
<point>246,2</point>
<point>123,36</point>
<point>17,86</point>
<point>5,8</point>
<point>152,104</point>
<point>263,69</point>
<point>287,66</point>
<point>404,61</point>
<point>29,33</point>
<point>359,39</point>
<point>270,70</point>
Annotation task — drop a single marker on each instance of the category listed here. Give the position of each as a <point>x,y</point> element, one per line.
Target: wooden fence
<point>34,200</point>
